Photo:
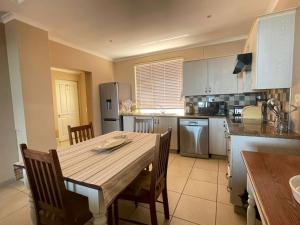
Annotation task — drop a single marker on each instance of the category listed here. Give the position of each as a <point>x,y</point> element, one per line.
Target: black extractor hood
<point>243,63</point>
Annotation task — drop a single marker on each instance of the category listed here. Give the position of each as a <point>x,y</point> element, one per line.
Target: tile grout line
<point>183,190</point>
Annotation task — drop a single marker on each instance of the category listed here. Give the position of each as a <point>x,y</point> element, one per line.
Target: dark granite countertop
<point>179,115</point>
<point>258,129</point>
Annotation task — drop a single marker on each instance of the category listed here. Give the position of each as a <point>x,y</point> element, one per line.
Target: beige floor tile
<point>181,161</point>
<point>196,210</point>
<point>201,189</point>
<point>177,170</point>
<point>227,216</point>
<point>12,203</point>
<point>222,179</point>
<point>204,175</point>
<point>207,164</point>
<point>126,208</point>
<point>173,198</point>
<point>142,215</point>
<point>175,183</point>
<point>223,166</point>
<point>19,217</point>
<point>177,221</point>
<point>19,185</point>
<point>223,194</point>
<point>172,156</point>
<point>7,191</point>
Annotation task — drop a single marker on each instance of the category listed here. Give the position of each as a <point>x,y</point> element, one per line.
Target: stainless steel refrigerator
<point>111,95</point>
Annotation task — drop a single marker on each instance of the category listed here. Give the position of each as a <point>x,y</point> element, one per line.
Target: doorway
<point>70,102</point>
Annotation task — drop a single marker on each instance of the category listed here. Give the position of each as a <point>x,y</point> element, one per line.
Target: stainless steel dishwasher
<point>194,137</point>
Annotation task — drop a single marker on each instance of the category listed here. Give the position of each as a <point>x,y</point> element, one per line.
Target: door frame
<point>82,79</point>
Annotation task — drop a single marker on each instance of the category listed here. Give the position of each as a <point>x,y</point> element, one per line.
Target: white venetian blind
<point>159,85</point>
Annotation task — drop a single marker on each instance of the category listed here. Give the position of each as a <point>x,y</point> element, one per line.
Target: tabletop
<point>269,176</point>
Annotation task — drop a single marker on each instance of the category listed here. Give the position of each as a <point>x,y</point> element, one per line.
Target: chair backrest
<point>143,125</point>
<point>46,181</point>
<point>80,133</point>
<point>160,163</point>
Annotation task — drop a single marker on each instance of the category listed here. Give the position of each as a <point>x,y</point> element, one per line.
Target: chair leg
<point>109,215</point>
<point>116,212</point>
<point>153,213</point>
<point>166,203</point>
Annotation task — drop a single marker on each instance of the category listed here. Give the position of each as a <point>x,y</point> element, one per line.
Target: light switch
<point>297,100</point>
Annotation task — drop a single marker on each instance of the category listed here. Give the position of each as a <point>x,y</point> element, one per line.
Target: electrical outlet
<point>297,100</point>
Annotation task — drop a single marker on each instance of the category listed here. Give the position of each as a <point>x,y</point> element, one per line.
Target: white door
<point>67,106</point>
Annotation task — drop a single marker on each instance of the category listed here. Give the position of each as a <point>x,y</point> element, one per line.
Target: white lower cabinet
<point>217,140</point>
<point>161,125</point>
<point>128,123</point>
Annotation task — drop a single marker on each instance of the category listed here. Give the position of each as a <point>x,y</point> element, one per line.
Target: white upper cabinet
<point>221,80</point>
<point>194,78</point>
<point>209,76</point>
<point>272,43</point>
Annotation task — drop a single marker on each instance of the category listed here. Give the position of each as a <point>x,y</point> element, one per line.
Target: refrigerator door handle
<point>110,119</point>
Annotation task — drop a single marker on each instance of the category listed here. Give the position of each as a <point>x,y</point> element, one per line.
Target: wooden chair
<point>143,125</point>
<point>81,133</point>
<point>53,203</point>
<point>148,186</point>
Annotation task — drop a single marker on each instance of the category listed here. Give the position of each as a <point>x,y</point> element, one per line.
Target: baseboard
<point>7,182</point>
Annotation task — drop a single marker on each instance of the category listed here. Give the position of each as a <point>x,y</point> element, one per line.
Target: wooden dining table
<point>102,175</point>
<point>268,187</point>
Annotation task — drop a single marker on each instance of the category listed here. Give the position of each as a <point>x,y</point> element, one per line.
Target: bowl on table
<point>295,186</point>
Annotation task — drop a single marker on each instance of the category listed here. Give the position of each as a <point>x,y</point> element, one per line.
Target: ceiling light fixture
<point>166,39</point>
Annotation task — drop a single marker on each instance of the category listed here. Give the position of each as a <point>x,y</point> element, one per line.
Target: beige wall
<point>99,71</point>
<point>28,52</point>
<point>124,70</point>
<point>286,4</point>
<point>8,139</point>
<point>80,78</point>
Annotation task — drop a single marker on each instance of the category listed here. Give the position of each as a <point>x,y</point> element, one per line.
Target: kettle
<point>189,108</point>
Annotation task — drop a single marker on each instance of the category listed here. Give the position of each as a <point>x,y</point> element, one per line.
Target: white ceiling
<point>138,27</point>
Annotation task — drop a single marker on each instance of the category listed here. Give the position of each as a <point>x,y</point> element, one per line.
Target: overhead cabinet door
<point>221,80</point>
<point>194,78</point>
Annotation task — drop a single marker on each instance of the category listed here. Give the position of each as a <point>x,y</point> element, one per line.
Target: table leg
<point>31,201</point>
<point>96,202</point>
<point>251,213</point>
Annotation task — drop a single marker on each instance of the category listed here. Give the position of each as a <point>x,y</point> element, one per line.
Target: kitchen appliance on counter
<point>252,112</point>
<point>194,137</point>
<point>111,95</point>
<point>212,108</point>
<point>237,114</point>
<point>189,109</point>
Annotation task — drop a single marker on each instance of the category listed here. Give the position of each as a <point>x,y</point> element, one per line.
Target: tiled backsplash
<point>231,99</point>
<point>243,99</point>
<point>283,95</point>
